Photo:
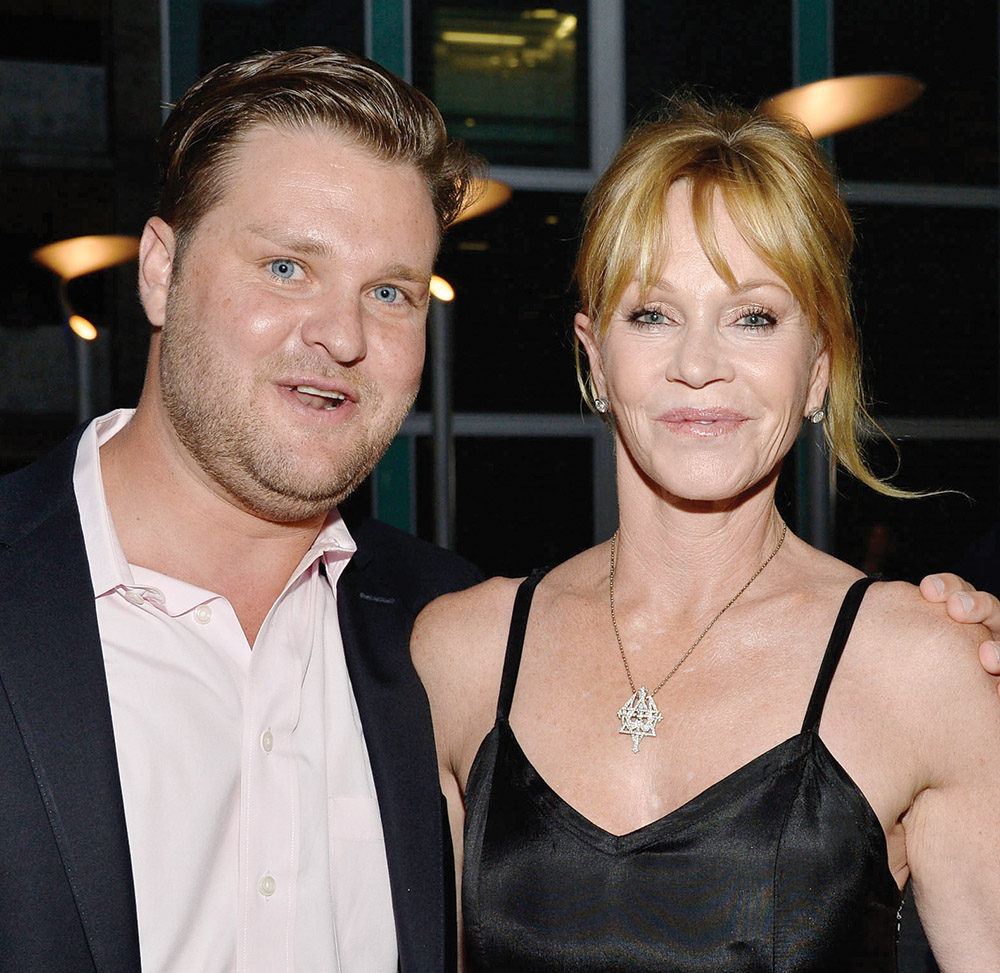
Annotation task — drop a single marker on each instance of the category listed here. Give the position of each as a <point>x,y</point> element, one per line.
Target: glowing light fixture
<point>838,104</point>
<point>72,258</point>
<point>85,254</point>
<point>81,255</point>
<point>566,27</point>
<point>483,39</point>
<point>486,196</point>
<point>441,289</point>
<point>81,327</point>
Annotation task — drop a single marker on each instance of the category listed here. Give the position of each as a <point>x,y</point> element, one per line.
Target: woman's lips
<point>703,422</point>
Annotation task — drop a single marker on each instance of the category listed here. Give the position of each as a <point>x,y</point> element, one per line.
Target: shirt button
<point>203,614</point>
<point>266,741</point>
<point>133,596</point>
<point>266,886</point>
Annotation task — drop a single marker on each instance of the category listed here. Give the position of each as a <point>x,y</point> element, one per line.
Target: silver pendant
<point>639,717</point>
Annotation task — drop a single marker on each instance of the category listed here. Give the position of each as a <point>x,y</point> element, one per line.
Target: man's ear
<point>584,329</point>
<point>157,248</point>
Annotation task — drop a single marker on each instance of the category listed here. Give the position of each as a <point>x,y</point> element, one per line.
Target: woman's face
<point>708,385</point>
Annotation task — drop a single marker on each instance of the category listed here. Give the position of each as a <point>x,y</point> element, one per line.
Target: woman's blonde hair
<point>776,186</point>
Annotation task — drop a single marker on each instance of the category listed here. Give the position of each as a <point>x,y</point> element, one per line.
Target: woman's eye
<point>386,293</point>
<point>283,268</point>
<point>647,316</point>
<point>755,320</point>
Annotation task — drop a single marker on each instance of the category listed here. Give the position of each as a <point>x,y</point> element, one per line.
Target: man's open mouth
<point>318,398</point>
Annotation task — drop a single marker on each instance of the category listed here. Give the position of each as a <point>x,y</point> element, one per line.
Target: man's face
<point>293,337</point>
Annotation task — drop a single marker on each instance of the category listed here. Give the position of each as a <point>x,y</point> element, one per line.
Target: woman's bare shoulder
<point>474,612</point>
<point>457,646</point>
<point>926,658</point>
<point>901,615</point>
<point>481,615</point>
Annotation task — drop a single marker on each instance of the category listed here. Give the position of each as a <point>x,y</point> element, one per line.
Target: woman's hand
<point>965,604</point>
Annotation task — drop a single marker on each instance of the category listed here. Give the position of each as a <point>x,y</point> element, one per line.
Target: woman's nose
<point>699,357</point>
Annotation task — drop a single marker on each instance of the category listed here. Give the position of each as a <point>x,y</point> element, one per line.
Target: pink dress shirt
<point>253,825</point>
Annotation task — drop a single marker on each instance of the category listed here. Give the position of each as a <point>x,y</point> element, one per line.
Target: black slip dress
<point>780,866</point>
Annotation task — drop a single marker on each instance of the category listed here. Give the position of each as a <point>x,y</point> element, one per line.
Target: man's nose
<point>335,326</point>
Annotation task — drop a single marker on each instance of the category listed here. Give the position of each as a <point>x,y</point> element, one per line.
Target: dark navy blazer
<point>66,896</point>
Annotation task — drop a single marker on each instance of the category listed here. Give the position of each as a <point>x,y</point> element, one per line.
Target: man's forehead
<point>263,136</point>
<point>267,149</point>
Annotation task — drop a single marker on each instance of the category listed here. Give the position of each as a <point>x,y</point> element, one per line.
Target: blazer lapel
<point>375,626</point>
<point>52,671</point>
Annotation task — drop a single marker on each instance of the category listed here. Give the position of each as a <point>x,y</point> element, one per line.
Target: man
<point>214,753</point>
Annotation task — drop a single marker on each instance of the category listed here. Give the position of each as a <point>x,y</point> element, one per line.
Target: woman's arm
<point>950,828</point>
<point>457,647</point>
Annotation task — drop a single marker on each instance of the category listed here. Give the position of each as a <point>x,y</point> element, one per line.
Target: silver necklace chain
<point>640,715</point>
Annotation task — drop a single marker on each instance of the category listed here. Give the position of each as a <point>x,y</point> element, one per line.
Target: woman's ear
<point>584,329</point>
<point>819,381</point>
<point>157,248</point>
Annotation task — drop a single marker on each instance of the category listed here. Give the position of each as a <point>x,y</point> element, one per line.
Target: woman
<point>683,772</point>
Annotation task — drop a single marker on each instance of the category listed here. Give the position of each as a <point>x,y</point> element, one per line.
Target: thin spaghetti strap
<point>515,640</point>
<point>834,650</point>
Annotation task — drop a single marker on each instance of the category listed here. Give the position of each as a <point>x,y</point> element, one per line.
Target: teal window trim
<point>387,40</point>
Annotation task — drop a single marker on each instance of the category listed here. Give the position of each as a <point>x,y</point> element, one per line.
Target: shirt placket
<point>269,801</point>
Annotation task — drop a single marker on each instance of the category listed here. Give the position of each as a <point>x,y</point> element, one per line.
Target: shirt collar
<point>108,567</point>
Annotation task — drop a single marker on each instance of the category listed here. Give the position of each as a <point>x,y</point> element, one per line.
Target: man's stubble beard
<point>211,407</point>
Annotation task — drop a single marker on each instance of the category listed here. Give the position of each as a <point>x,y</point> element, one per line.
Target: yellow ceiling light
<point>85,254</point>
<point>82,328</point>
<point>566,27</point>
<point>441,289</point>
<point>484,196</point>
<point>77,256</point>
<point>838,104</point>
<point>483,39</point>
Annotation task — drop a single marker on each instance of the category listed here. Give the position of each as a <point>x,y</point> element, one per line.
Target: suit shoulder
<point>409,564</point>
<point>29,495</point>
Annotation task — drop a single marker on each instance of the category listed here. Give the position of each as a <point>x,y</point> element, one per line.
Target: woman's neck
<point>693,553</point>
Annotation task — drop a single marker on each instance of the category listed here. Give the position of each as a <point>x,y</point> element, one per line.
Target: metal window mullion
<point>812,60</point>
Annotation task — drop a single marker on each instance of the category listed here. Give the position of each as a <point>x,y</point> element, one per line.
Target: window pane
<point>926,299</point>
<point>741,49</point>
<point>509,79</point>
<point>909,538</point>
<point>232,29</point>
<point>522,503</point>
<point>513,310</point>
<point>949,135</point>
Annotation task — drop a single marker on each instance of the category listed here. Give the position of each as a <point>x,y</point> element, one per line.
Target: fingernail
<point>996,651</point>
<point>938,584</point>
<point>966,601</point>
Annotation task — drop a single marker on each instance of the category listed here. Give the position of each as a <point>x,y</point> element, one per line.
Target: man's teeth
<point>333,399</point>
<point>311,390</point>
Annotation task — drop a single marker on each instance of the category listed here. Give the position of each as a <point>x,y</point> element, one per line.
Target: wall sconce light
<point>72,258</point>
<point>441,289</point>
<point>838,104</point>
<point>486,196</point>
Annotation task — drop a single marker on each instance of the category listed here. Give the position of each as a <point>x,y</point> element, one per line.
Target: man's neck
<point>170,521</point>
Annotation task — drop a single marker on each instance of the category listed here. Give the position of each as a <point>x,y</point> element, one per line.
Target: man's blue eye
<point>283,268</point>
<point>386,293</point>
